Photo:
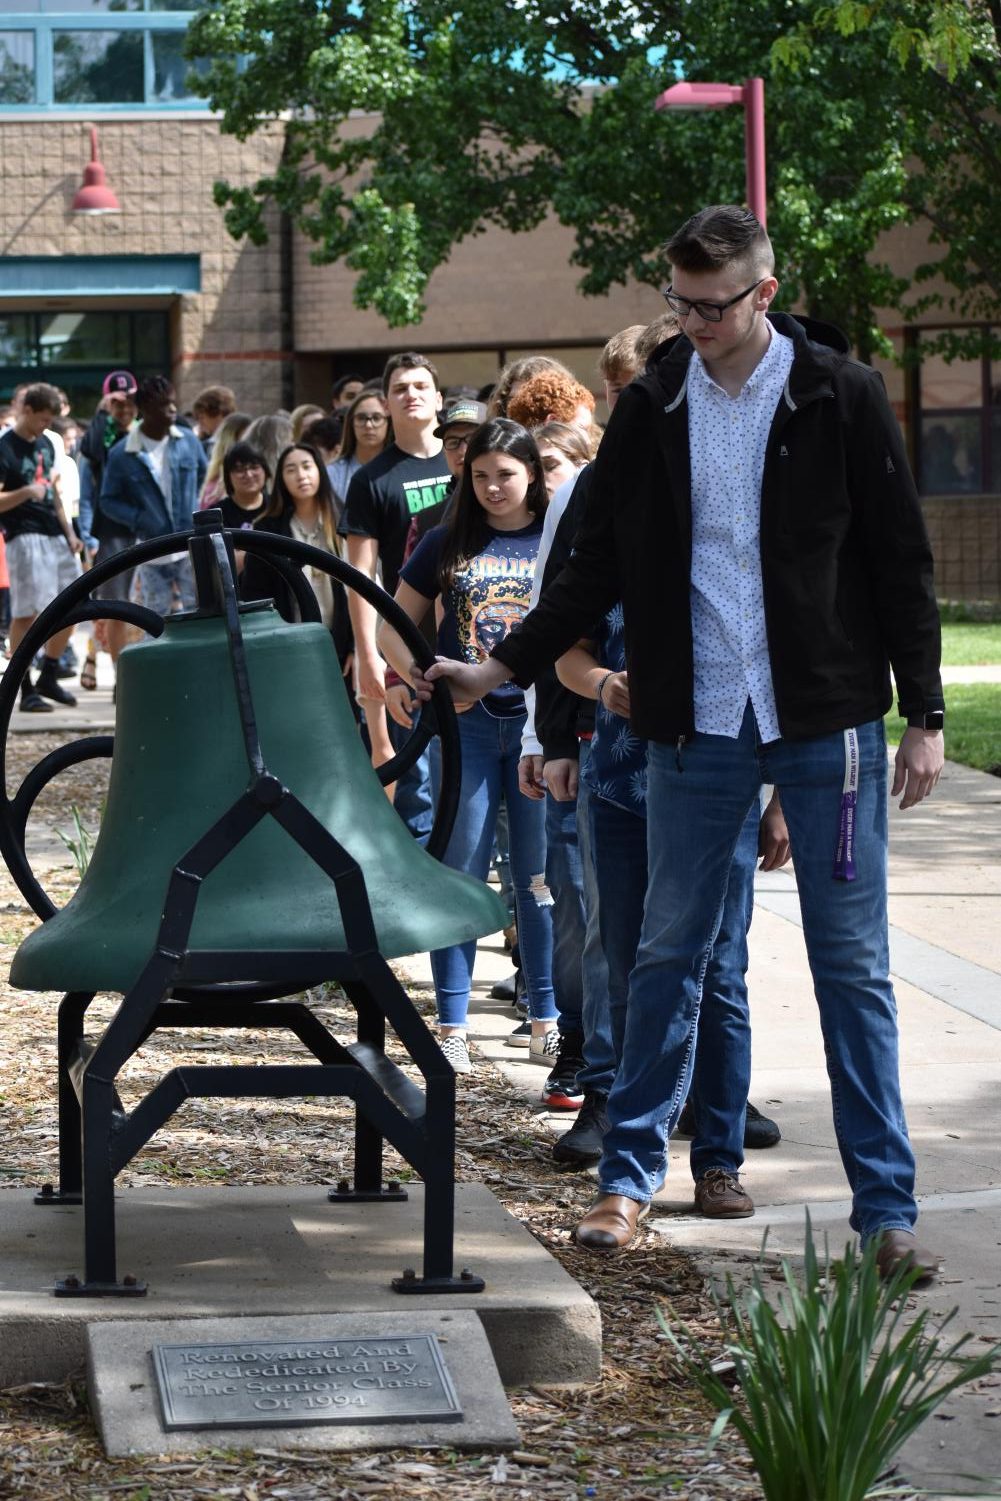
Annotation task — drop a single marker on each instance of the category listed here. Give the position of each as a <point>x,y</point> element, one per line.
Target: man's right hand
<point>468,684</point>
<point>371,679</point>
<point>36,490</point>
<point>562,778</point>
<point>530,783</point>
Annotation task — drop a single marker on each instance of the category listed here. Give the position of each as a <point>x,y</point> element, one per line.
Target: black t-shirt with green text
<point>385,496</point>
<point>27,461</point>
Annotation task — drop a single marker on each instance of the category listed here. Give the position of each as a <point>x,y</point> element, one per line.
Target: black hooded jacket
<point>845,560</point>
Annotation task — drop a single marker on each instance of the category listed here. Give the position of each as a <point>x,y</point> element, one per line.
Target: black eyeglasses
<point>452,445</point>
<point>246,469</point>
<point>709,312</point>
<point>370,419</point>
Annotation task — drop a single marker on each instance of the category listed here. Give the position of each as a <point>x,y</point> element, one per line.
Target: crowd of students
<point>664,643</point>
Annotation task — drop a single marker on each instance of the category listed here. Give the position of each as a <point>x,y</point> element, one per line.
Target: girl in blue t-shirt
<point>479,569</point>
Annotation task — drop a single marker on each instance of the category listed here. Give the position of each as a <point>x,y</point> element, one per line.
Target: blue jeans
<point>491,749</point>
<point>599,1052</point>
<point>580,975</point>
<point>721,1074</point>
<point>695,816</point>
<point>412,798</point>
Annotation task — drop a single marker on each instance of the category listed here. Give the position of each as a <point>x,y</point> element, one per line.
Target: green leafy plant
<point>80,842</point>
<point>825,1387</point>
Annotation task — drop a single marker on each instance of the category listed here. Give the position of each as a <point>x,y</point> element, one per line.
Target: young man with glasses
<point>753,509</point>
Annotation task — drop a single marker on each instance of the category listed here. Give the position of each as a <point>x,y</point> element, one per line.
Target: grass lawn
<point>972,725</point>
<point>971,643</point>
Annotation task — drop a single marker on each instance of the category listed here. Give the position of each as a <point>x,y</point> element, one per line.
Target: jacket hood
<point>667,368</point>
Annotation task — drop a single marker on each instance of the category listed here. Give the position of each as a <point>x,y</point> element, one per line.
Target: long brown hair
<point>281,502</point>
<point>349,438</point>
<point>468,528</point>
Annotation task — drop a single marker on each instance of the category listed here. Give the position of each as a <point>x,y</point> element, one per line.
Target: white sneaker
<point>456,1052</point>
<point>544,1049</point>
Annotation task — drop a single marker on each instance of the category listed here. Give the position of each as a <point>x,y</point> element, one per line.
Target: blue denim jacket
<point>132,499</point>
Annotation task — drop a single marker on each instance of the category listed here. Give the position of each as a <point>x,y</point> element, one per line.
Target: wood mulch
<point>639,1435</point>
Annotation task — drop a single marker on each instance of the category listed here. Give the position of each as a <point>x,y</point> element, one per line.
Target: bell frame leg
<point>368,1186</point>
<point>72,1009</point>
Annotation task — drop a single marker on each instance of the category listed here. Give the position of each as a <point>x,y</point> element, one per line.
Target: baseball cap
<point>119,383</point>
<point>462,411</point>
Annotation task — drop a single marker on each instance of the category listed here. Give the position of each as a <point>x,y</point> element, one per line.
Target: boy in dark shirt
<point>42,547</point>
<point>384,496</point>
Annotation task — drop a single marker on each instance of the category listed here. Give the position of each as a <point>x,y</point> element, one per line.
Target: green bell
<point>180,763</point>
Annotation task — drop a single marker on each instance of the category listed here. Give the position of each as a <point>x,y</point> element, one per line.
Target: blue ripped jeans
<point>694,820</point>
<point>491,749</point>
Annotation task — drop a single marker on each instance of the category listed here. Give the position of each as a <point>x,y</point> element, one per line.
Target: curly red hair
<point>549,397</point>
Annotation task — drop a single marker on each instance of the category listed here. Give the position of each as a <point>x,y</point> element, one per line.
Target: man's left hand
<point>918,765</point>
<point>773,837</point>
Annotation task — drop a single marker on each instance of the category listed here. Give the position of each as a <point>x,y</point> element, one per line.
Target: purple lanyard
<point>844,858</point>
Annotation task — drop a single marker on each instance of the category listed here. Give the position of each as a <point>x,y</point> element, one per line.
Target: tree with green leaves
<point>948,92</point>
<point>412,124</point>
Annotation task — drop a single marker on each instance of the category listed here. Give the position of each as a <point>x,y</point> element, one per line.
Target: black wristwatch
<point>934,719</point>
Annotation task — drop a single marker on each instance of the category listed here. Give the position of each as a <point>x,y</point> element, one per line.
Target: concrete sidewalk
<point>945,912</point>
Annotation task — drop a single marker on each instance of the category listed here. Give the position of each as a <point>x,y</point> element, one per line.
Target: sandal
<point>88,673</point>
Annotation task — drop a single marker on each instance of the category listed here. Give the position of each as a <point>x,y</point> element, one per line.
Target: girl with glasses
<point>245,477</point>
<point>367,432</point>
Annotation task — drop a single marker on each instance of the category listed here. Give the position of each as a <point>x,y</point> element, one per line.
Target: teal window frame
<point>43,26</point>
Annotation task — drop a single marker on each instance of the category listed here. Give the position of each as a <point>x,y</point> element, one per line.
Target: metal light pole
<point>697,96</point>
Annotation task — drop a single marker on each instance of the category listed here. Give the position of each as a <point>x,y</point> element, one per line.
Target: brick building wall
<point>965,535</point>
<point>161,168</point>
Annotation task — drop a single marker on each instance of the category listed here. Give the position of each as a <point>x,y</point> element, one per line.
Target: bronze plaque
<point>290,1382</point>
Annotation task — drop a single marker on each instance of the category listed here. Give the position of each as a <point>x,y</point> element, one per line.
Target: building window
<point>17,67</point>
<point>959,418</point>
<point>113,53</point>
<point>75,350</point>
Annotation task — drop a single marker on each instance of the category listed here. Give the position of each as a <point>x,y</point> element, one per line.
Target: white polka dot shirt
<point>727,437</point>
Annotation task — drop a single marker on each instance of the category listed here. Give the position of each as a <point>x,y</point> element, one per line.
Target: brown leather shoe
<point>899,1248</point>
<point>719,1196</point>
<point>610,1223</point>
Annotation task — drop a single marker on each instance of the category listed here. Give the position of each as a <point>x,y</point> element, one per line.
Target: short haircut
<point>342,381</point>
<point>242,453</point>
<point>719,237</point>
<point>409,360</point>
<point>548,396</point>
<point>214,401</point>
<point>42,398</point>
<point>325,432</point>
<point>664,326</point>
<point>618,357</point>
<point>153,388</point>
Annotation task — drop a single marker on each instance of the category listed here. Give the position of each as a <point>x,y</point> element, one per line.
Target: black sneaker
<point>48,685</point>
<point>506,990</point>
<point>581,1145</point>
<point>33,703</point>
<point>561,1091</point>
<point>759,1131</point>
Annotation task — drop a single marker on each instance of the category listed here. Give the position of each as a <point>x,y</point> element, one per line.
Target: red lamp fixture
<point>698,96</point>
<point>95,197</point>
